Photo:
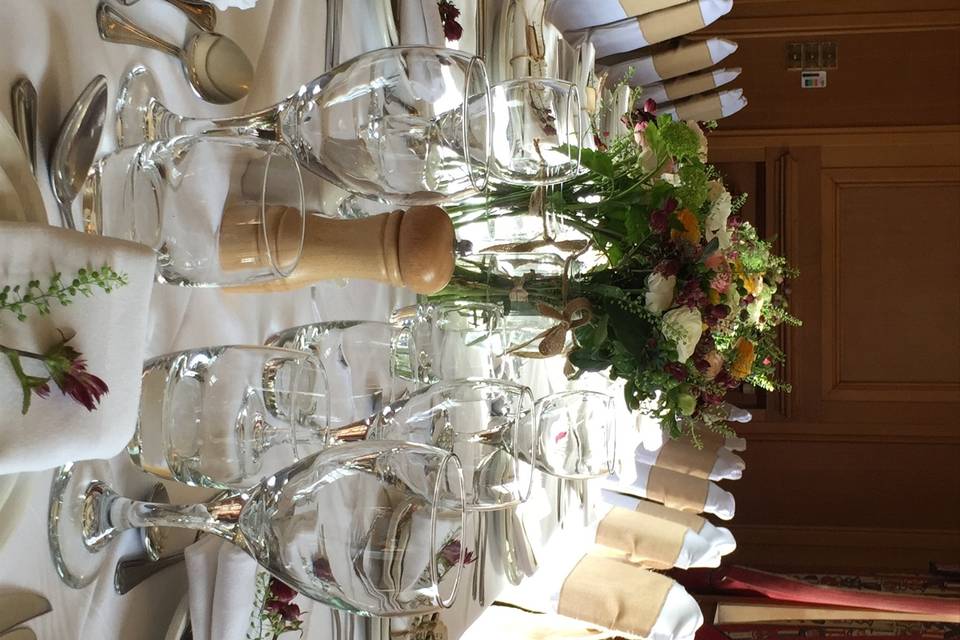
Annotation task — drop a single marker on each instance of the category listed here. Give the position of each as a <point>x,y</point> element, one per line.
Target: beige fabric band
<point>615,595</point>
<point>686,458</point>
<point>639,7</point>
<point>655,510</point>
<point>684,59</point>
<point>672,22</point>
<point>676,490</point>
<point>646,540</point>
<point>689,86</point>
<point>705,107</point>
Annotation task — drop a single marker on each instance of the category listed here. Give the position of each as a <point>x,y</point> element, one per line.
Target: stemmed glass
<point>485,423</point>
<point>217,211</point>
<point>225,417</point>
<point>374,528</point>
<point>405,125</point>
<point>576,434</point>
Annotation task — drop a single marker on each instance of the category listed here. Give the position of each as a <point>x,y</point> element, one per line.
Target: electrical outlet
<point>794,56</point>
<point>828,55</point>
<point>811,55</point>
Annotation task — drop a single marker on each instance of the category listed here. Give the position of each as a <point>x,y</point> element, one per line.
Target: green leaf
<point>597,161</point>
<point>630,330</point>
<point>588,360</point>
<point>638,225</point>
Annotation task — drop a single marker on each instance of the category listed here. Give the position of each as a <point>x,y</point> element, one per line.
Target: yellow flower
<point>753,283</point>
<point>743,364</point>
<point>714,296</point>
<point>691,227</point>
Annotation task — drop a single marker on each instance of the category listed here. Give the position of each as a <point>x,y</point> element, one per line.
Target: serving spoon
<point>216,67</point>
<point>201,13</point>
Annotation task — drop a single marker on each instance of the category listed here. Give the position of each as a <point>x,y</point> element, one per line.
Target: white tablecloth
<point>55,44</point>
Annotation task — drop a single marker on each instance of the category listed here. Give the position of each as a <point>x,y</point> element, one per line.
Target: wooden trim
<point>813,431</point>
<point>832,24</point>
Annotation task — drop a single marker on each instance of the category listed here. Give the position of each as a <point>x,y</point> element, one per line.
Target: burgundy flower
<point>289,611</point>
<point>671,205</point>
<point>281,591</point>
<point>676,371</point>
<point>659,221</point>
<point>42,390</point>
<point>650,106</point>
<point>452,30</point>
<point>600,144</point>
<point>711,398</point>
<point>668,268</point>
<point>450,553</point>
<point>321,569</point>
<point>691,295</point>
<point>68,369</point>
<point>714,313</point>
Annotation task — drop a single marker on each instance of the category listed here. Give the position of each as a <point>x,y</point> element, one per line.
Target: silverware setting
<point>216,67</point>
<point>76,147</point>
<point>23,98</point>
<point>200,13</point>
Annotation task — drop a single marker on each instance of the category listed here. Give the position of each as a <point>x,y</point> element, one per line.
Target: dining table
<point>56,45</point>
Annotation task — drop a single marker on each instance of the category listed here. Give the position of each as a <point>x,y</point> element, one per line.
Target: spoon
<point>76,146</point>
<point>217,69</point>
<point>201,13</point>
<point>24,100</point>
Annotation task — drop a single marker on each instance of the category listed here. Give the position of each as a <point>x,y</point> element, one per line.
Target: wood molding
<point>781,26</point>
<point>872,432</point>
<point>834,388</point>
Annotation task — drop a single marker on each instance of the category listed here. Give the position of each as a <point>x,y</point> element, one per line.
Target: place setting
<point>447,339</point>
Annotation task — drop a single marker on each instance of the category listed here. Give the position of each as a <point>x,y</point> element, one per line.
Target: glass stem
<point>264,124</point>
<point>106,514</point>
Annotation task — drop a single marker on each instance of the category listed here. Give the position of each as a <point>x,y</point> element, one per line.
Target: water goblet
<point>217,211</point>
<point>485,423</point>
<point>224,417</point>
<point>536,131</point>
<point>374,528</point>
<point>405,125</point>
<point>576,434</point>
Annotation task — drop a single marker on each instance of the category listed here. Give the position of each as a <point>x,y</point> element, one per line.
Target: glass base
<point>75,562</point>
<point>135,99</point>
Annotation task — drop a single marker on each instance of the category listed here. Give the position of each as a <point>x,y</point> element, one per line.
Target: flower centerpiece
<point>683,304</point>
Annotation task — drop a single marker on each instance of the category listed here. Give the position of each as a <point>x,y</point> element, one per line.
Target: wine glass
<point>405,125</point>
<point>536,131</point>
<point>374,528</point>
<point>576,434</point>
<point>225,417</point>
<point>217,211</point>
<point>485,423</point>
<point>450,340</point>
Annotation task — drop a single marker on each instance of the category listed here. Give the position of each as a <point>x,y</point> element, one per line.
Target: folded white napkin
<point>110,333</point>
<point>707,106</point>
<point>688,85</point>
<point>727,466</point>
<point>20,197</point>
<point>671,63</point>
<point>569,15</point>
<point>634,482</point>
<point>652,28</point>
<point>222,589</point>
<point>420,23</point>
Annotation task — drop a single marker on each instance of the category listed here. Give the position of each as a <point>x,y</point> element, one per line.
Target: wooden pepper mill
<point>412,248</point>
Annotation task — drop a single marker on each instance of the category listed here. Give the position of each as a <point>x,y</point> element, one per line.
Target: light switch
<point>811,55</point>
<point>828,55</point>
<point>794,56</point>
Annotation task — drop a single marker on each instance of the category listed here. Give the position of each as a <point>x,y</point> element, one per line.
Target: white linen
<point>569,15</point>
<point>728,466</point>
<point>222,589</point>
<point>420,23</point>
<point>627,35</point>
<point>20,198</point>
<point>658,91</point>
<point>731,101</point>
<point>644,70</point>
<point>110,331</point>
<point>223,5</point>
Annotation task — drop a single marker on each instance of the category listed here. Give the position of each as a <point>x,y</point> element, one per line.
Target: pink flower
<point>721,280</point>
<point>650,106</point>
<point>68,369</point>
<point>714,260</point>
<point>560,436</point>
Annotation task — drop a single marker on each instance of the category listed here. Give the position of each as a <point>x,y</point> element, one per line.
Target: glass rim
<point>447,458</point>
<point>272,339</point>
<point>478,180</point>
<point>610,442</point>
<point>287,153</point>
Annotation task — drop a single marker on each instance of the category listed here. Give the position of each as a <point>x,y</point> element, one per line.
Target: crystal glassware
<point>576,434</point>
<point>536,131</point>
<point>450,340</point>
<point>405,125</point>
<point>486,423</point>
<point>217,211</point>
<point>225,417</point>
<point>364,369</point>
<point>374,528</point>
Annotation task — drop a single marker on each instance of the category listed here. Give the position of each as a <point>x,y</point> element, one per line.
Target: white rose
<point>720,209</point>
<point>659,295</point>
<point>755,308</point>
<point>733,301</point>
<point>684,326</point>
<point>701,138</point>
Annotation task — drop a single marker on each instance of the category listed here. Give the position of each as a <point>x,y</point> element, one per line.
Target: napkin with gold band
<point>570,15</point>
<point>110,332</point>
<point>707,106</point>
<point>609,594</point>
<point>665,63</point>
<point>710,461</point>
<point>720,539</point>
<point>651,28</point>
<point>689,85</point>
<point>675,490</point>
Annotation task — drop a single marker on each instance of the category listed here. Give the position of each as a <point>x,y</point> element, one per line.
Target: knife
<point>17,608</point>
<point>19,634</point>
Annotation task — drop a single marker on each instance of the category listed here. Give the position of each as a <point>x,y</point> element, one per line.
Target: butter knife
<point>19,634</point>
<point>17,608</point>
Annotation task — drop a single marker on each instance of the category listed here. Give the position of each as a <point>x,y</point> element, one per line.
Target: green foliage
<point>17,299</point>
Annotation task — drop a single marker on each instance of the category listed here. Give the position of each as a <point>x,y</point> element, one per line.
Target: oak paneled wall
<point>898,63</point>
